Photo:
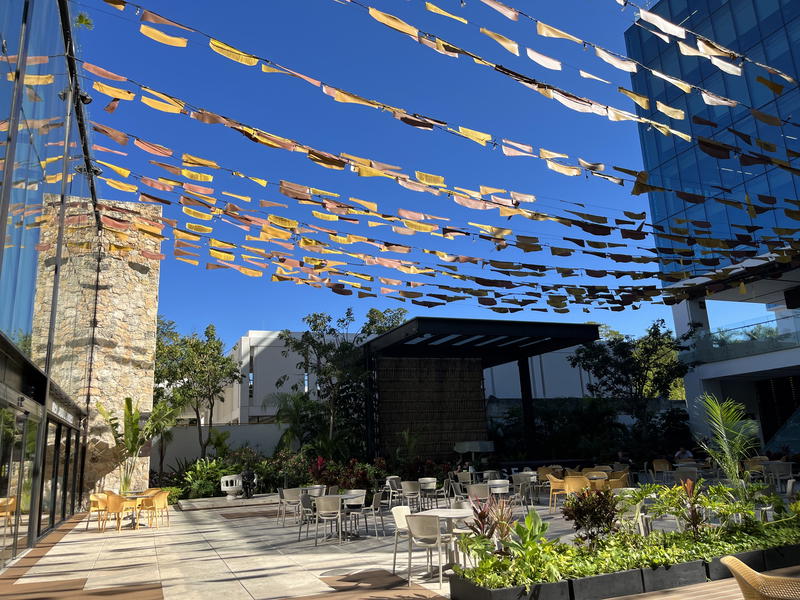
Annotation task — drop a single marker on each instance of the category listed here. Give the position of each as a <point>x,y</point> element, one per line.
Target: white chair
<point>306,514</point>
<point>423,530</point>
<point>411,492</point>
<point>291,501</point>
<point>399,514</point>
<point>394,489</point>
<point>499,487</point>
<point>465,477</point>
<point>429,491</point>
<point>478,491</point>
<point>353,506</point>
<point>376,510</point>
<point>315,491</point>
<point>329,510</point>
<point>777,472</point>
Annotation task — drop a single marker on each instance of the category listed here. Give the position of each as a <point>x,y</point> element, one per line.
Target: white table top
<point>447,513</point>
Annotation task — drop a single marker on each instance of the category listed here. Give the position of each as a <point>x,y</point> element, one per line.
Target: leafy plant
<point>733,438</point>
<point>203,477</point>
<point>219,441</point>
<point>594,513</point>
<point>130,434</point>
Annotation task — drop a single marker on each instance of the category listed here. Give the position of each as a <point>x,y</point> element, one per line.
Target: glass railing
<point>749,339</point>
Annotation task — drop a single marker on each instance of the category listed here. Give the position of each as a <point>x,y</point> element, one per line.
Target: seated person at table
<point>683,454</point>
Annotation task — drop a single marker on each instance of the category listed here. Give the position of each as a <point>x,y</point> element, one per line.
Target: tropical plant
<point>594,513</point>
<point>203,477</point>
<point>130,434</point>
<point>301,417</point>
<point>733,438</point>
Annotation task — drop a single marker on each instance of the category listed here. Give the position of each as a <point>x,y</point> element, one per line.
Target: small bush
<point>594,513</point>
<point>175,494</point>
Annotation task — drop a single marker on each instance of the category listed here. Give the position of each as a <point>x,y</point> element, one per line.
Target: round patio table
<point>138,495</point>
<point>597,482</point>
<point>450,515</point>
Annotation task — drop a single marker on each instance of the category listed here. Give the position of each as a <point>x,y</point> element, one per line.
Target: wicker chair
<point>556,490</point>
<point>573,485</point>
<point>755,586</point>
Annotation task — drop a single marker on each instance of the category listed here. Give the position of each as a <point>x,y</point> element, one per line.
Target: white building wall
<point>551,377</point>
<point>261,361</point>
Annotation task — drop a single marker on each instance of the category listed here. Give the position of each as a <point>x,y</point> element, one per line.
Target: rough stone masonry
<point>106,315</point>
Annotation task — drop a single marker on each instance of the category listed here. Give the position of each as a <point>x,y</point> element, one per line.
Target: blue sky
<point>339,44</point>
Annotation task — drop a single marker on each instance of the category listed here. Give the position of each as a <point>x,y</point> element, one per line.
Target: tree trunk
<point>204,444</point>
<point>199,431</point>
<point>162,450</point>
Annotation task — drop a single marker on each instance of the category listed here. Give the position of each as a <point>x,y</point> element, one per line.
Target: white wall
<point>185,446</point>
<point>268,365</point>
<point>551,377</point>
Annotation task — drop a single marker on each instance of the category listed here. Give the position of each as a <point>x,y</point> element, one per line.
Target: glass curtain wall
<point>41,162</point>
<point>767,31</point>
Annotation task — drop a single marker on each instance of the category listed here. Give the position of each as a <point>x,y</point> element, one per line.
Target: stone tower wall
<point>105,330</point>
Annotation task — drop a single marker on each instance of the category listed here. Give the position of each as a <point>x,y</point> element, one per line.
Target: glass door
<point>12,437</point>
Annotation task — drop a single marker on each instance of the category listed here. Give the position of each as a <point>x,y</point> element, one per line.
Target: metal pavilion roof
<point>495,342</point>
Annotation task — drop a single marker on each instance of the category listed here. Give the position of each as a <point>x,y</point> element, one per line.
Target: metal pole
<point>526,393</point>
<point>41,446</point>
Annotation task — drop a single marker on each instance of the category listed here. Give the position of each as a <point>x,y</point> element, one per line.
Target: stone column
<point>105,330</point>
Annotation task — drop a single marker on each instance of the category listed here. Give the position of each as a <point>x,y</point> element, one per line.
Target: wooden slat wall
<point>439,400</point>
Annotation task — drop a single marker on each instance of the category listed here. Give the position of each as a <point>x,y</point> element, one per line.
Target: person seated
<point>683,454</point>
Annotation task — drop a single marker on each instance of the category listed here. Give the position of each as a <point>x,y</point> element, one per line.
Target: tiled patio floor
<point>235,554</point>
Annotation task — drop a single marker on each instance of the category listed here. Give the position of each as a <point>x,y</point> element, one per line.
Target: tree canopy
<point>634,370</point>
<point>192,372</point>
<point>336,376</point>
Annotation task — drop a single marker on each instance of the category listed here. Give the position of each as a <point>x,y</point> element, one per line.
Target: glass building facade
<point>768,31</point>
<point>42,418</point>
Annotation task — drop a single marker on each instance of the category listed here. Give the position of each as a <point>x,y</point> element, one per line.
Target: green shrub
<point>203,477</point>
<point>594,513</point>
<point>175,494</point>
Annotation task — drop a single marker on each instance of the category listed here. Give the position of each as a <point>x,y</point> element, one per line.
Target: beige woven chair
<point>97,504</point>
<point>573,485</point>
<point>556,489</point>
<point>755,586</point>
<point>423,530</point>
<point>618,482</point>
<point>661,467</point>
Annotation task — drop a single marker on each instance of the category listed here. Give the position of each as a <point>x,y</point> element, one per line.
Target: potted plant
<point>132,433</point>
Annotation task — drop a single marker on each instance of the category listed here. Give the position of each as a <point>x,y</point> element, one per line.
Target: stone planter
<point>231,485</point>
<point>753,559</point>
<point>663,578</point>
<point>464,589</point>
<point>609,585</point>
<point>785,556</point>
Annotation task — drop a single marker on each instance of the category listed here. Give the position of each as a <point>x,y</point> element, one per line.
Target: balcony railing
<point>746,340</point>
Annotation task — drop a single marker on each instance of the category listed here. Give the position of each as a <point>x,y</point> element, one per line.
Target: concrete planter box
<point>663,578</point>
<point>785,556</point>
<point>753,559</point>
<point>464,589</point>
<point>608,585</point>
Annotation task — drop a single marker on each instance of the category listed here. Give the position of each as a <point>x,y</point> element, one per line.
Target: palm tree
<point>299,414</point>
<point>131,434</point>
<point>733,437</point>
